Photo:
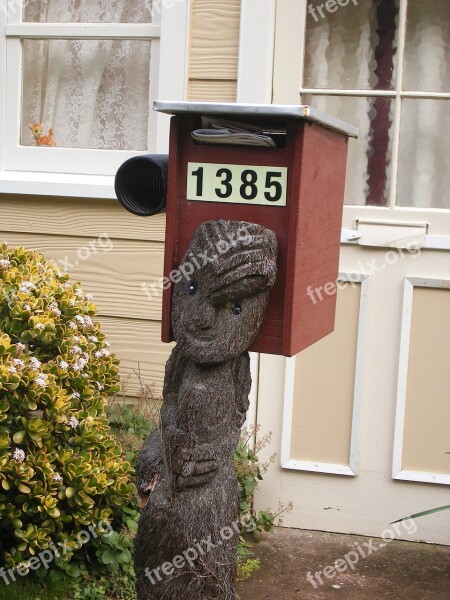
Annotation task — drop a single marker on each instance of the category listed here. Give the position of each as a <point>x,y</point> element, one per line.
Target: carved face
<point>215,332</point>
<point>218,310</point>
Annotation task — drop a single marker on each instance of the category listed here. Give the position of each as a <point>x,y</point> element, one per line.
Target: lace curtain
<point>340,54</point>
<point>91,93</point>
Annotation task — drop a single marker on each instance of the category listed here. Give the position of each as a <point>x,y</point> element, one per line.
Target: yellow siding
<point>214,50</point>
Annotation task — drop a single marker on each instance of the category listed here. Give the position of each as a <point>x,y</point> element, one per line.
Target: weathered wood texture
<point>186,483</point>
<point>214,50</point>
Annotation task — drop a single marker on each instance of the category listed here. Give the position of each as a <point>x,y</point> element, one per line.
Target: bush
<point>61,470</point>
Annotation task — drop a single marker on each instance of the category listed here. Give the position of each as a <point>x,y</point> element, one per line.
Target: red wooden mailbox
<point>296,189</point>
<point>280,166</point>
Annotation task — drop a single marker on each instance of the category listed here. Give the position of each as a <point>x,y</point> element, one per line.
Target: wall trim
<point>402,381</point>
<point>350,469</point>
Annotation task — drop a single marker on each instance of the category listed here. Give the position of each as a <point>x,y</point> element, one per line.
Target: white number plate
<point>240,184</point>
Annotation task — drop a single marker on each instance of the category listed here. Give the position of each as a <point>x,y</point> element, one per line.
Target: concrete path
<point>396,570</point>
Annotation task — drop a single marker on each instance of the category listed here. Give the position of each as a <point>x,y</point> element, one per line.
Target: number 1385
<point>237,183</point>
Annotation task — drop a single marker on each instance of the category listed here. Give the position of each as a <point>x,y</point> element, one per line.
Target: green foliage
<point>61,470</point>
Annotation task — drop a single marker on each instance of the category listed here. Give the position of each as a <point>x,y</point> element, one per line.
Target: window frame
<point>289,45</point>
<point>70,171</point>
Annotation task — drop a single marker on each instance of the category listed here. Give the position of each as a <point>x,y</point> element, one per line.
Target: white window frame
<point>79,172</point>
<point>291,20</point>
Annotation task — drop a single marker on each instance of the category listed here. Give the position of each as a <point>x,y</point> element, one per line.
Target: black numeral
<point>199,174</point>
<point>249,191</point>
<point>277,188</point>
<point>225,182</point>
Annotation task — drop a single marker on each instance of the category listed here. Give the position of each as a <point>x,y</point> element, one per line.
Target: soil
<point>397,570</point>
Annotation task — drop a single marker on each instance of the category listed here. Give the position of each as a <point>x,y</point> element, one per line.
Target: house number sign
<point>241,184</point>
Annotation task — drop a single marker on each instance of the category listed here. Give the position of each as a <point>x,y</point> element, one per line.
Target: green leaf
<point>132,525</point>
<point>423,513</point>
<point>108,557</point>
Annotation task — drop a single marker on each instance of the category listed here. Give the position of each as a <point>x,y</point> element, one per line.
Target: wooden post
<point>187,488</point>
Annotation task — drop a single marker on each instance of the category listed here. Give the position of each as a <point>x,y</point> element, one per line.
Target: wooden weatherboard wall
<point>62,227</point>
<point>214,50</point>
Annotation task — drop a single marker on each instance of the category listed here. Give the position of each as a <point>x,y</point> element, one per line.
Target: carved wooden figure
<point>187,488</point>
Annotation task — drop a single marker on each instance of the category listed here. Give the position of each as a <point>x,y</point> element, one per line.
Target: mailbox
<point>283,169</point>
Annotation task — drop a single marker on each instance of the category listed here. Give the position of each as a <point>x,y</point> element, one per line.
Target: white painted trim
<point>432,242</point>
<point>423,477</point>
<point>289,50</point>
<point>57,184</point>
<point>2,81</point>
<point>351,469</point>
<point>84,31</point>
<point>256,51</point>
<point>251,420</point>
<point>402,382</point>
<point>174,62</point>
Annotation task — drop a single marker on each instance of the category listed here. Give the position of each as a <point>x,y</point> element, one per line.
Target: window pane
<point>87,11</point>
<point>369,157</point>
<point>424,174</point>
<point>91,93</point>
<point>353,46</point>
<point>427,67</point>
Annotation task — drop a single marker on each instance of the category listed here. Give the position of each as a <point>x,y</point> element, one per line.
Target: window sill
<point>57,184</point>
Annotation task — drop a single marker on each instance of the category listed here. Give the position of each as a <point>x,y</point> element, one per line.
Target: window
<point>382,65</point>
<point>81,77</point>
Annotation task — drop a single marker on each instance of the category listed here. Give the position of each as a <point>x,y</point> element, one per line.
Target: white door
<point>361,420</point>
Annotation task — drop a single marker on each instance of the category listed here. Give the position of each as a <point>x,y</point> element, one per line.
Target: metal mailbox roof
<point>271,111</point>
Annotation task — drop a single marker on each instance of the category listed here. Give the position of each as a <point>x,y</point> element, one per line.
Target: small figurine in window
<point>42,140</point>
<point>186,483</point>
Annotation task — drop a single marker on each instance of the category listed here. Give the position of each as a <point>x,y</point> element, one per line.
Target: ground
<point>397,570</point>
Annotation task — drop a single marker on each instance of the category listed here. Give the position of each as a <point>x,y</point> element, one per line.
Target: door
<point>360,421</point>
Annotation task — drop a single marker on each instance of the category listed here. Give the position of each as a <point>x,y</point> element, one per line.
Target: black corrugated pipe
<point>141,184</point>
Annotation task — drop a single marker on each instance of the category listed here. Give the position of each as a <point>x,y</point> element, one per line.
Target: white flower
<point>72,325</point>
<point>18,362</point>
<point>40,326</point>
<point>64,365</point>
<point>73,423</point>
<point>12,370</point>
<point>84,375</point>
<point>75,350</point>
<point>76,338</point>
<point>19,455</point>
<point>92,338</point>
<point>41,380</point>
<point>26,286</point>
<point>54,309</point>
<point>79,293</point>
<point>106,352</point>
<point>100,386</point>
<point>88,322</point>
<point>21,346</point>
<point>4,263</point>
<point>57,477</point>
<point>72,302</point>
<point>27,307</point>
<point>89,297</point>
<point>98,354</point>
<point>34,363</point>
<point>76,395</point>
<point>107,345</point>
<point>80,319</point>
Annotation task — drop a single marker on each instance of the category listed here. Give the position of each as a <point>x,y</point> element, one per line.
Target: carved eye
<point>236,310</point>
<point>192,288</point>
